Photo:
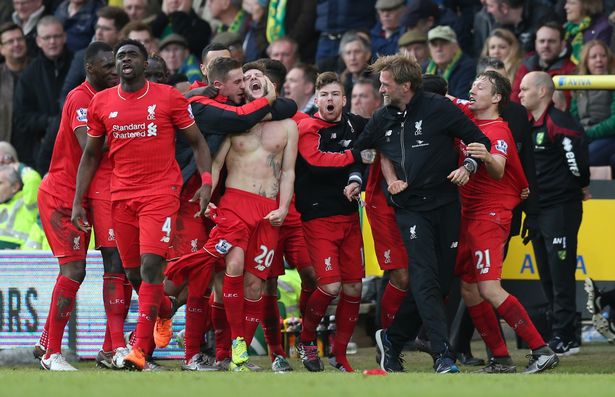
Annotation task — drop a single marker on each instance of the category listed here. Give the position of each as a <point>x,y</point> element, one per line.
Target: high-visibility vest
<point>17,220</point>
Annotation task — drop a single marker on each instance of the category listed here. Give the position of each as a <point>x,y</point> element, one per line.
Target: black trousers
<point>555,249</point>
<point>431,239</point>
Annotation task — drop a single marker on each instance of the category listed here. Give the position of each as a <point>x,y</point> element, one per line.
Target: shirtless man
<point>260,166</point>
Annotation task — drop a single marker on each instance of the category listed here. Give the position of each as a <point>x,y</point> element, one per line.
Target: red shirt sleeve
<point>78,110</point>
<point>181,112</point>
<point>309,148</point>
<point>96,127</point>
<point>501,142</point>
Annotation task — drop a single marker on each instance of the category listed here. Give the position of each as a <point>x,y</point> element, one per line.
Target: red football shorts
<point>102,222</point>
<point>292,247</point>
<point>389,247</point>
<point>144,225</point>
<point>67,243</point>
<point>335,244</point>
<point>239,223</point>
<point>481,250</point>
<point>190,233</point>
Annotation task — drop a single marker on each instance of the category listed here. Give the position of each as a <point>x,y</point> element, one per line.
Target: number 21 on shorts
<point>483,261</point>
<point>264,259</point>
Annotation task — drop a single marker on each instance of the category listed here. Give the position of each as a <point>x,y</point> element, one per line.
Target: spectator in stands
<point>414,43</point>
<point>18,216</point>
<point>482,27</point>
<point>522,17</point>
<point>26,15</point>
<point>424,15</point>
<point>448,61</point>
<point>231,15</point>
<point>177,16</point>
<point>109,25</point>
<point>333,19</point>
<point>356,52</point>
<point>299,86</point>
<point>365,98</point>
<point>285,50</point>
<point>6,11</point>
<point>15,53</point>
<point>30,179</point>
<point>141,32</point>
<point>595,109</point>
<point>232,41</point>
<point>552,56</point>
<point>387,31</point>
<point>157,70</point>
<point>296,20</point>
<point>37,110</point>
<point>503,45</point>
<point>174,51</point>
<point>136,9</point>
<point>79,19</point>
<point>585,23</point>
<point>209,53</point>
<point>255,42</point>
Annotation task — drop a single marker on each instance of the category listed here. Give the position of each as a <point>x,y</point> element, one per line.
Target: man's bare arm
<point>287,178</point>
<point>494,163</point>
<point>87,168</point>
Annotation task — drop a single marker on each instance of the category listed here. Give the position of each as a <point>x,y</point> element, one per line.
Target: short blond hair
<point>404,69</point>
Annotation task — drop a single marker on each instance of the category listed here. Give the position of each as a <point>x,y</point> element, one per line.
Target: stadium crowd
<point>267,119</point>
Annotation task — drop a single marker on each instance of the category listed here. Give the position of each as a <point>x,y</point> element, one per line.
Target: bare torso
<point>254,160</point>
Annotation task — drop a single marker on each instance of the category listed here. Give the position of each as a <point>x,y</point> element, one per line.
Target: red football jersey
<point>140,131</point>
<point>61,179</point>
<point>484,197</point>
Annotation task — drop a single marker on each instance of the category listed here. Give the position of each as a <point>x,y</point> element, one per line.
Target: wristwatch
<point>470,165</point>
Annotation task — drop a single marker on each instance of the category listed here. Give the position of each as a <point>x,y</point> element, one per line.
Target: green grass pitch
<point>588,374</point>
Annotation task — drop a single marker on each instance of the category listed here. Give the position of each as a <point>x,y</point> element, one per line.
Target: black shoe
<point>445,365</point>
<point>499,365</point>
<point>564,347</point>
<point>541,360</point>
<point>308,352</point>
<point>390,360</point>
<point>469,360</point>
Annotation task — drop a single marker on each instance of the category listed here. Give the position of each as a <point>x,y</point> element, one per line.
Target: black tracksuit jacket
<point>421,144</point>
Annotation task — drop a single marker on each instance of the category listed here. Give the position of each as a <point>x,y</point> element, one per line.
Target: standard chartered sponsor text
<point>132,131</point>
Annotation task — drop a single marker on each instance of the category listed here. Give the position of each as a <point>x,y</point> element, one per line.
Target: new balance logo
<point>112,115</point>
<point>454,244</point>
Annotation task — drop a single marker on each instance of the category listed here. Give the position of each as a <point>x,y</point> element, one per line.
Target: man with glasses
<point>13,49</point>
<point>36,110</point>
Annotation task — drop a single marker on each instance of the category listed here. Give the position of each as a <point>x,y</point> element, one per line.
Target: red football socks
<point>271,326</point>
<point>150,296</point>
<point>115,307</point>
<point>486,322</point>
<point>314,311</point>
<point>253,310</point>
<point>233,297</point>
<point>346,317</point>
<point>195,323</point>
<point>222,331</point>
<point>513,312</point>
<point>390,302</point>
<point>304,297</point>
<point>166,307</point>
<point>62,303</point>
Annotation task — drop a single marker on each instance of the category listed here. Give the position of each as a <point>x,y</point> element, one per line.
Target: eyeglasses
<point>52,37</point>
<point>15,40</point>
